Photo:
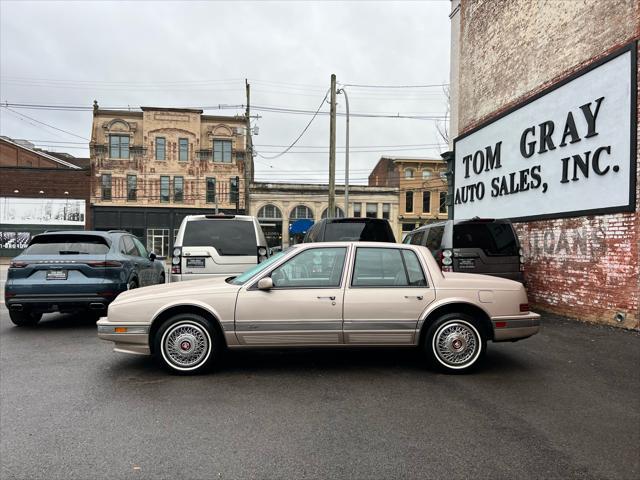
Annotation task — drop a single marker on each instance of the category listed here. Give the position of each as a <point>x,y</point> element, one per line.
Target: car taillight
<point>524,307</point>
<point>445,260</point>
<point>176,260</point>
<point>104,264</point>
<point>15,264</point>
<point>262,254</point>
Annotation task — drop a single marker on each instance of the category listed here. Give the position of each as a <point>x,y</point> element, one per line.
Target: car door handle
<point>326,298</point>
<point>417,297</point>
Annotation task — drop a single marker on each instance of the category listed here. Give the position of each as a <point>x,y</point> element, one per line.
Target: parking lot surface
<point>563,404</point>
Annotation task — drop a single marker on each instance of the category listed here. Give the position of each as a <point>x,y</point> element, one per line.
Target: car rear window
<point>68,245</point>
<point>228,237</point>
<point>357,231</point>
<point>493,238</point>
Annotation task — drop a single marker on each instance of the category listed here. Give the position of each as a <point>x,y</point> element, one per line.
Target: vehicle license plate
<point>56,274</point>
<point>466,263</point>
<point>195,262</point>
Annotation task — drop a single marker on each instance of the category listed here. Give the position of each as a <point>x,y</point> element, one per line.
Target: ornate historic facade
<point>152,167</point>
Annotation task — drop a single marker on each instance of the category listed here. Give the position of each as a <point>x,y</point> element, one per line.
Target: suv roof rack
<point>117,231</point>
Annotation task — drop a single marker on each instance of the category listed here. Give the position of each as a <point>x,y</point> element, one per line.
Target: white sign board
<point>42,211</point>
<point>569,151</point>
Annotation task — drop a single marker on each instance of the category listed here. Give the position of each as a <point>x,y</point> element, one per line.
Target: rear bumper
<point>129,337</point>
<point>59,302</point>
<point>515,327</point>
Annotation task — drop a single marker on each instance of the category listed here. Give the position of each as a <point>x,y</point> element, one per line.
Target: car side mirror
<point>152,256</point>
<point>265,283</point>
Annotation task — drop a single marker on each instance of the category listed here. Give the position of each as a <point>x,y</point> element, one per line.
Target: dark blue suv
<point>77,271</point>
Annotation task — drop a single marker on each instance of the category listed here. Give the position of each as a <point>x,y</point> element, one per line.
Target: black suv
<point>350,229</point>
<point>479,245</point>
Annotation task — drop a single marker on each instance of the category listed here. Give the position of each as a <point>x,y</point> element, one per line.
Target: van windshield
<point>493,238</point>
<point>356,230</point>
<point>228,237</point>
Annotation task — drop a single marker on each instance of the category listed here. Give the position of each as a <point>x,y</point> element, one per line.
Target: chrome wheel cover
<point>186,345</point>
<point>457,344</point>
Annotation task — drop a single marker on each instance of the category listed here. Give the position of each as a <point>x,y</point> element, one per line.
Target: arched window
<point>408,173</point>
<point>270,212</point>
<point>339,213</point>
<point>426,174</point>
<point>301,211</point>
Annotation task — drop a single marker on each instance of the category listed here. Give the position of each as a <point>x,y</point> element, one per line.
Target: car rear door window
<point>416,239</point>
<point>129,247</point>
<point>434,238</point>
<point>228,237</point>
<point>140,247</point>
<point>313,268</point>
<point>379,267</point>
<point>414,270</point>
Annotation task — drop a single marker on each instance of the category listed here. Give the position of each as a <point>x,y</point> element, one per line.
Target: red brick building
<point>521,61</point>
<point>38,192</point>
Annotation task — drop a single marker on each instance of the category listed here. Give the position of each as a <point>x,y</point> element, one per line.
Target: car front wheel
<point>187,344</point>
<point>455,343</point>
<point>24,319</point>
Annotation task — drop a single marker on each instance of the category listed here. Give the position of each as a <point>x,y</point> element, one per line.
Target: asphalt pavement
<point>563,404</point>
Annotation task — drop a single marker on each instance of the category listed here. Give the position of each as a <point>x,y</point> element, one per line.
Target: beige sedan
<point>324,294</point>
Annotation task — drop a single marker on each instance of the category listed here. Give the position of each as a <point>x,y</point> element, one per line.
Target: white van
<point>217,246</point>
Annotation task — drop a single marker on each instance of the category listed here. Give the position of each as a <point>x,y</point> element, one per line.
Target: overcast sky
<point>197,54</point>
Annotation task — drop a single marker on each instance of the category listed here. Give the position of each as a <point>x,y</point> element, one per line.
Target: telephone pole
<point>248,158</point>
<point>332,151</point>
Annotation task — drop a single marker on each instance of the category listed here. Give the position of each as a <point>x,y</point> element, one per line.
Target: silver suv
<point>217,246</point>
<point>479,245</point>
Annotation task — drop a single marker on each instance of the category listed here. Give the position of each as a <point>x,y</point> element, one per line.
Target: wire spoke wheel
<point>186,345</point>
<point>457,344</point>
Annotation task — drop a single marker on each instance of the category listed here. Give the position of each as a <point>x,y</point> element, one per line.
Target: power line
<point>301,134</point>
<point>260,108</point>
<point>43,123</point>
<point>395,86</point>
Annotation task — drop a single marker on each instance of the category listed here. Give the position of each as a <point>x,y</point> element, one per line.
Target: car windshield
<point>67,245</point>
<point>228,237</point>
<point>243,277</point>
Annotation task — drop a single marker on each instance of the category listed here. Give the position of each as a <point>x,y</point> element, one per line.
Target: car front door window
<point>313,268</point>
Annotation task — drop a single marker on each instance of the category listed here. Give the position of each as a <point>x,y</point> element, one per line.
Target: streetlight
<point>346,156</point>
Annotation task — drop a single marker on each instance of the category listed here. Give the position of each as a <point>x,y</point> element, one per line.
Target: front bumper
<point>129,337</point>
<point>515,327</point>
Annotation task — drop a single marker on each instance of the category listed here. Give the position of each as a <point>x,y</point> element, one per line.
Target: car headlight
<point>262,251</point>
<point>447,260</point>
<point>177,252</point>
<point>175,260</point>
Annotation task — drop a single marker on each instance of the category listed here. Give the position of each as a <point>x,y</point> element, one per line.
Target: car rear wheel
<point>24,318</point>
<point>455,343</point>
<point>187,344</point>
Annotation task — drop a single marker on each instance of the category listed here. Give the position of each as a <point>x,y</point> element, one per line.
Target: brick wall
<point>53,182</point>
<point>584,267</point>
